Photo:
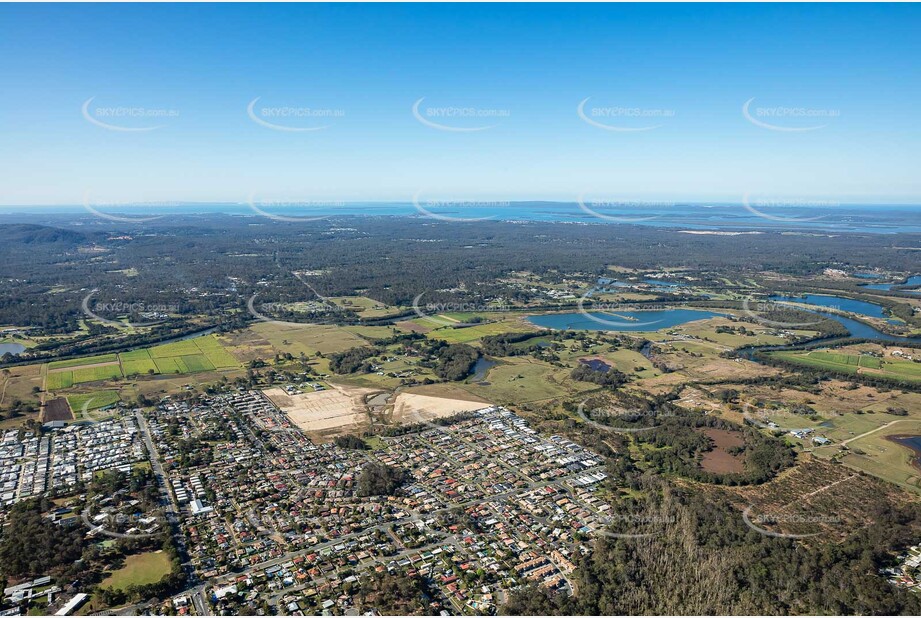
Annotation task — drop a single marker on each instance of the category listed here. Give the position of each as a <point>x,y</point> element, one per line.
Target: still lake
<point>12,348</point>
<point>620,320</point>
<point>834,302</point>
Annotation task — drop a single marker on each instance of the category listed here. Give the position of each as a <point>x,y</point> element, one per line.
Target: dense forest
<point>32,545</point>
<point>216,263</point>
<point>706,561</point>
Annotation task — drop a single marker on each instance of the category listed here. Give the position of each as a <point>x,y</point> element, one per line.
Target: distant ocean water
<point>882,219</point>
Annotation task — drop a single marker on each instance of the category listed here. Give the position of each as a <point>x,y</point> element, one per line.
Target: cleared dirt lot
<point>344,409</point>
<point>335,408</point>
<point>414,408</point>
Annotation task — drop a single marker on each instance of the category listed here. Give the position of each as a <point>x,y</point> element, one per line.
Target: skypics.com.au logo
<point>127,119</point>
<point>634,525</point>
<point>319,308</point>
<point>646,209</point>
<point>756,309</point>
<point>623,119</point>
<point>118,210</point>
<point>788,119</point>
<point>455,119</point>
<point>151,313</point>
<point>292,119</point>
<point>777,209</point>
<point>611,315</point>
<point>611,413</point>
<point>450,209</point>
<point>431,310</point>
<point>758,521</point>
<point>285,210</point>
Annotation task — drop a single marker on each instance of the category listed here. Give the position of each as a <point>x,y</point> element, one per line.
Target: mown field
<point>139,569</point>
<point>92,401</point>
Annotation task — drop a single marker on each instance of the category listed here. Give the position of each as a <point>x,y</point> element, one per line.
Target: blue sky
<point>683,72</point>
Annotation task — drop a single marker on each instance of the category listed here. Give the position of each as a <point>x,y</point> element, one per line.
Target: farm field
<point>137,362</point>
<point>891,368</point>
<point>61,379</point>
<point>86,360</point>
<point>189,356</point>
<point>96,374</point>
<point>201,354</point>
<point>58,380</point>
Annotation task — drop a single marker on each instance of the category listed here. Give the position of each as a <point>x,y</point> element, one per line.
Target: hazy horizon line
<point>334,203</point>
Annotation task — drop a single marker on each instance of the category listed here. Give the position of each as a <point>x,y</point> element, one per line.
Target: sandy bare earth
<point>412,408</point>
<point>318,411</point>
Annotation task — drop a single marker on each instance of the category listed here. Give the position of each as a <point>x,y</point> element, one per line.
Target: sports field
<point>139,569</point>
<point>92,401</point>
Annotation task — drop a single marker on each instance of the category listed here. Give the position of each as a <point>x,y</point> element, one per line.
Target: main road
<point>171,508</point>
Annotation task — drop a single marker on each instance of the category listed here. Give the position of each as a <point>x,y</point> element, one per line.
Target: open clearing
<point>878,455</point>
<point>364,306</point>
<point>719,460</point>
<point>266,339</point>
<point>520,379</point>
<point>139,569</point>
<point>57,410</point>
<point>17,383</point>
